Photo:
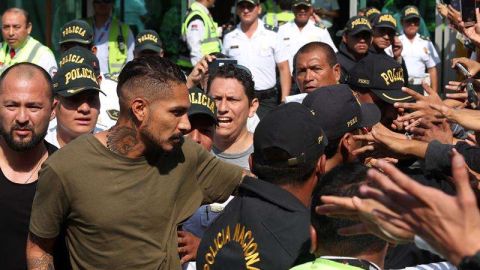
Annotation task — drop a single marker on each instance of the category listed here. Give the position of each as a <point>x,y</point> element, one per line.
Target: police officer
<point>302,30</point>
<point>148,43</point>
<point>384,33</point>
<point>418,51</point>
<point>257,47</point>
<point>200,32</point>
<point>266,225</point>
<point>277,18</point>
<point>18,46</point>
<point>77,103</point>
<point>114,40</point>
<point>356,40</point>
<point>76,33</point>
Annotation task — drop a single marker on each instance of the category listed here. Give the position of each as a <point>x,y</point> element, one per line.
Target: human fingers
<point>413,93</point>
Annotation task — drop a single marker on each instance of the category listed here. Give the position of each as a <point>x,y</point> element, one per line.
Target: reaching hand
<point>450,224</point>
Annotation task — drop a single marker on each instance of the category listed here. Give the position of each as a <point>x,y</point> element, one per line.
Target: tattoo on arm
<point>39,252</point>
<point>121,140</point>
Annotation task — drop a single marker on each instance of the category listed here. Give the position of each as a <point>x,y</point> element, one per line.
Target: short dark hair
<point>19,10</point>
<point>151,77</point>
<point>241,74</point>
<point>344,180</point>
<point>28,70</point>
<point>284,175</point>
<point>320,46</point>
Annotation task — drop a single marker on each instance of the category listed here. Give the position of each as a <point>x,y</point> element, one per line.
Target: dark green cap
<point>72,79</point>
<point>148,40</point>
<point>410,12</point>
<point>80,55</point>
<point>78,31</point>
<point>307,3</point>
<point>202,104</point>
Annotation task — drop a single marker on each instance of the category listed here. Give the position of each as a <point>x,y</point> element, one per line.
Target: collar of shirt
<point>364,264</point>
<point>259,31</point>
<point>272,193</point>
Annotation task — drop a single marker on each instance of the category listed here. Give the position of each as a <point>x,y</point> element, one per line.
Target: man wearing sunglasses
<point>420,55</point>
<point>114,40</point>
<point>356,40</point>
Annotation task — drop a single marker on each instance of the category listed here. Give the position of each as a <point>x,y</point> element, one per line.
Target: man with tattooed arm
<point>121,193</point>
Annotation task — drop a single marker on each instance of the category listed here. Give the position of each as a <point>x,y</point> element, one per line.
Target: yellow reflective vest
<point>210,42</point>
<point>117,45</point>
<point>30,52</point>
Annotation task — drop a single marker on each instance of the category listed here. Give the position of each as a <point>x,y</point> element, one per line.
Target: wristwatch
<point>470,262</point>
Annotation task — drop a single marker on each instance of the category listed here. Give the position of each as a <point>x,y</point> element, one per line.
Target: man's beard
<point>25,145</point>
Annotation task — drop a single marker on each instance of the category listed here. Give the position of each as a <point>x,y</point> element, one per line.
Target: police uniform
<point>259,54</point>
<point>293,38</point>
<point>419,54</point>
<point>115,43</point>
<point>266,226</point>
<point>31,51</point>
<point>345,58</point>
<point>200,32</point>
<point>72,79</point>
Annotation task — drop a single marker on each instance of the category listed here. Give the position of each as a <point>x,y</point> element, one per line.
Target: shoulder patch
<point>320,25</point>
<point>271,28</point>
<point>113,114</point>
<point>425,37</point>
<point>111,76</point>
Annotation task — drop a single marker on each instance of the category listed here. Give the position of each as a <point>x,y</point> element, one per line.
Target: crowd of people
<point>267,147</point>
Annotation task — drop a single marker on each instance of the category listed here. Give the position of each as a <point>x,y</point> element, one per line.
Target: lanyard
<point>103,31</point>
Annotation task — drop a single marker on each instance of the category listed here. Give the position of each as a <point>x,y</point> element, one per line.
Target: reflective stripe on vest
<point>116,58</point>
<point>30,52</point>
<point>210,42</point>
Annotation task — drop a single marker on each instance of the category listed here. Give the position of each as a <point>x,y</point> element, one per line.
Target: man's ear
<point>54,107</point>
<point>253,107</point>
<point>29,28</point>
<point>139,109</point>
<point>313,239</point>
<point>337,71</point>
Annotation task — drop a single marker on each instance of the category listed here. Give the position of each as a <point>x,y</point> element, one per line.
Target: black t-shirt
<point>15,206</point>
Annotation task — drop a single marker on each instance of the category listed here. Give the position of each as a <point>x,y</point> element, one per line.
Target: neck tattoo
<point>121,140</point>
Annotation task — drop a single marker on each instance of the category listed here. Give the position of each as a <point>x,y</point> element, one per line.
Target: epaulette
<point>113,114</point>
<point>320,25</point>
<point>111,76</point>
<point>228,30</point>
<point>425,38</point>
<point>271,28</point>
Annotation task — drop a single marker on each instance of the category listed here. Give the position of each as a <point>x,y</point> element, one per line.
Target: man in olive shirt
<point>122,192</point>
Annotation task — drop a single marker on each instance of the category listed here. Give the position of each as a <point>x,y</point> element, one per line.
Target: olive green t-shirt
<point>122,213</point>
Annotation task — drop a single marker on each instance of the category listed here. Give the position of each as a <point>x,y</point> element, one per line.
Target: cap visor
<point>81,41</point>
<point>76,91</point>
<point>359,30</point>
<point>205,114</point>
<point>302,4</point>
<point>392,96</point>
<point>411,16</point>
<point>370,114</point>
<point>151,47</point>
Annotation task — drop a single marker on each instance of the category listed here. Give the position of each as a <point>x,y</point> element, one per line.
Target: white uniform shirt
<point>259,54</point>
<point>293,39</point>
<point>418,54</point>
<point>109,105</point>
<point>101,41</point>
